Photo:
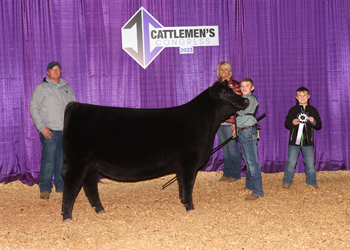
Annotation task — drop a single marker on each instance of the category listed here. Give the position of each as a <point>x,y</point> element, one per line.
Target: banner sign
<point>143,37</point>
<point>184,36</point>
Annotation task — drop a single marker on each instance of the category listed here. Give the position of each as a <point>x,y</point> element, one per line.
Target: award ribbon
<point>302,117</point>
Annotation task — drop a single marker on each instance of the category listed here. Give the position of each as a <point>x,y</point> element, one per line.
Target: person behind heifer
<point>301,120</point>
<point>231,153</point>
<point>248,134</point>
<point>47,105</point>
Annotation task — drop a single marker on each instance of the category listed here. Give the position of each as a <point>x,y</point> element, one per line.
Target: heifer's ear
<point>220,90</point>
<point>225,83</point>
<point>225,93</point>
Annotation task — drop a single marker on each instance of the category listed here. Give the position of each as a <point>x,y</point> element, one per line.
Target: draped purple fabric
<point>281,45</point>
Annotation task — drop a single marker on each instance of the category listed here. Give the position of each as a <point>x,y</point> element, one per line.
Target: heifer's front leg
<point>187,187</point>
<point>91,190</point>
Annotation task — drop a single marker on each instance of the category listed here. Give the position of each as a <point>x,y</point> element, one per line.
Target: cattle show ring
<point>175,124</point>
<point>139,214</point>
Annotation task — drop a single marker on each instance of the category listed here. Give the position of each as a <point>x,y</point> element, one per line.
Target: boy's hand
<point>311,119</point>
<point>233,134</point>
<point>296,121</point>
<point>233,127</point>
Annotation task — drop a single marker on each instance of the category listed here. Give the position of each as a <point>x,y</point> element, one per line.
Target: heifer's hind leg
<point>181,187</point>
<point>91,190</point>
<point>72,185</point>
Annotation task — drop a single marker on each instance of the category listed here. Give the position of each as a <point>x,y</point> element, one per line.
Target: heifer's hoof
<point>99,209</point>
<point>101,212</point>
<point>189,208</point>
<point>67,217</point>
<point>67,220</point>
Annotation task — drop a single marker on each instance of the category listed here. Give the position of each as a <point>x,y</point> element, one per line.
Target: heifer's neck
<point>206,110</point>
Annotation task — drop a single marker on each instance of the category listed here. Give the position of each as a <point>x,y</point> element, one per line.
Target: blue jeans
<point>247,141</point>
<point>309,161</point>
<point>232,156</point>
<point>51,161</point>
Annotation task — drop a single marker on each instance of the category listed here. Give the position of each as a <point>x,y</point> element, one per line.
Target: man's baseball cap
<point>53,64</point>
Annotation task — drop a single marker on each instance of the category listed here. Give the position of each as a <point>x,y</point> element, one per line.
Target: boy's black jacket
<point>308,133</point>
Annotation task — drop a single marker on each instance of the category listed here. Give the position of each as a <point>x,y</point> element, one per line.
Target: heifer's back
<point>134,144</point>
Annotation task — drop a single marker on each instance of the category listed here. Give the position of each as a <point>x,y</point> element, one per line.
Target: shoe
<point>286,185</point>
<point>315,186</point>
<point>44,195</point>
<point>224,178</point>
<point>251,197</point>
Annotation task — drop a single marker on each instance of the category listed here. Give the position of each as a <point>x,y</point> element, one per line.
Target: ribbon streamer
<point>300,133</point>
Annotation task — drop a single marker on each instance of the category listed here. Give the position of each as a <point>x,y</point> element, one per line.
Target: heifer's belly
<point>135,171</point>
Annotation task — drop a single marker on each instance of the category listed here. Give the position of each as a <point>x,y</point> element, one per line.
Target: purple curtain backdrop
<point>281,45</point>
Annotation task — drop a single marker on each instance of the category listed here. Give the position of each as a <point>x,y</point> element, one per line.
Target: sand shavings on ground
<point>140,215</point>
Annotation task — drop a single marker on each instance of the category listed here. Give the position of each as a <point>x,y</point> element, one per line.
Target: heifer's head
<point>228,101</point>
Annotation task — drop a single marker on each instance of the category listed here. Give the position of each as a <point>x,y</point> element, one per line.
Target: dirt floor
<point>142,216</point>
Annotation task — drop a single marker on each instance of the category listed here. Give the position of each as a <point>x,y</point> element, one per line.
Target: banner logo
<point>143,37</point>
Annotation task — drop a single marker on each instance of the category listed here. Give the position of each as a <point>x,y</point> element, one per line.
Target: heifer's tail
<point>64,170</point>
<point>70,104</point>
<point>66,112</point>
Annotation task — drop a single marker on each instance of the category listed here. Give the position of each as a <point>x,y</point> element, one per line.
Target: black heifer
<point>133,144</point>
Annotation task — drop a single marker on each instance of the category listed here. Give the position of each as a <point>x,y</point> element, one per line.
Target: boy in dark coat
<point>301,120</point>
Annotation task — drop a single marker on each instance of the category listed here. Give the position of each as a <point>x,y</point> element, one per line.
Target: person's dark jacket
<point>308,131</point>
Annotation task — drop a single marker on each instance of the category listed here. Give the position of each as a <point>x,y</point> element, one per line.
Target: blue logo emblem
<point>136,38</point>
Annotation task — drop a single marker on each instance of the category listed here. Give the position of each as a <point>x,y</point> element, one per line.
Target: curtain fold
<point>281,45</point>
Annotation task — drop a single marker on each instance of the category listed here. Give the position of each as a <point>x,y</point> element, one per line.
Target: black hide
<point>134,144</point>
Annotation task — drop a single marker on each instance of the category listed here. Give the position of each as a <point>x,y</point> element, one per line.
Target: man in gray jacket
<point>47,106</point>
